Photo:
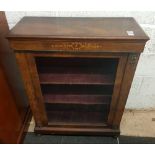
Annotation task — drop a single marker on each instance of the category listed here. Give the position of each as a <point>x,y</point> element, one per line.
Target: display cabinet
<point>77,72</point>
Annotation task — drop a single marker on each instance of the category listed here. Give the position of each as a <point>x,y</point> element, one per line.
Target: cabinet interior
<point>77,91</point>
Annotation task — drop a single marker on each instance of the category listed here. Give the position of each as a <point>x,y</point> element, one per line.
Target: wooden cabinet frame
<point>125,73</point>
<point>125,49</point>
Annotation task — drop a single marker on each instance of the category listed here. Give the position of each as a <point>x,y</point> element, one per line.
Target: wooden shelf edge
<point>77,99</point>
<point>77,125</point>
<point>85,79</point>
<point>77,131</point>
<point>57,83</point>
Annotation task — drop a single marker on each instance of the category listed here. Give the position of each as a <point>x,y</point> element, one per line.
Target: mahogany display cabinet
<point>77,72</point>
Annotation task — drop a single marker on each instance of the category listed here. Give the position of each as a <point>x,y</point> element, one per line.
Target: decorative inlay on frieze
<point>82,45</point>
<point>75,45</point>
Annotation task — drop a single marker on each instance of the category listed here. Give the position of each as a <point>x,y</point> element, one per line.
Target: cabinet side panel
<point>36,86</point>
<point>125,88</point>
<point>117,87</point>
<point>36,106</point>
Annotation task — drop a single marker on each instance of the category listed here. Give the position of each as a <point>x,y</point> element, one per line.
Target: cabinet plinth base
<point>77,131</point>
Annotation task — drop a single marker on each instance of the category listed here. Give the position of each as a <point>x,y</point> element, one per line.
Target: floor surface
<point>32,138</point>
<point>138,123</point>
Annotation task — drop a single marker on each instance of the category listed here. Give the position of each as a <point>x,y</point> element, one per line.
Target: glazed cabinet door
<point>73,90</point>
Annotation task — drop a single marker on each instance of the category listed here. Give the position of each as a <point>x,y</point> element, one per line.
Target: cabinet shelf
<point>76,99</point>
<point>96,79</point>
<point>66,118</point>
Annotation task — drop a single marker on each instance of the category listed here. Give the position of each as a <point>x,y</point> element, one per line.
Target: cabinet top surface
<point>125,28</point>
